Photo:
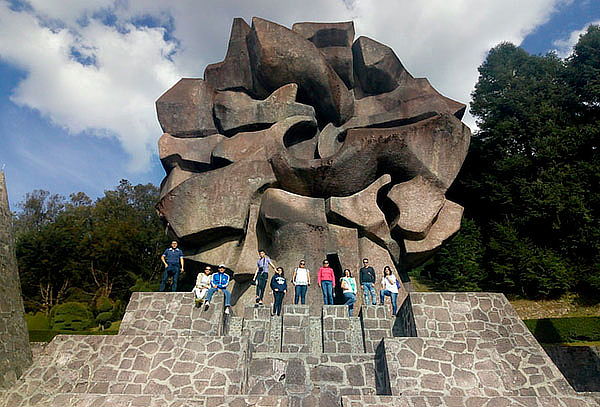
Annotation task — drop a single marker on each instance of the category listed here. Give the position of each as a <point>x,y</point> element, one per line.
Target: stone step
<point>468,401</point>
<point>123,364</point>
<point>307,375</point>
<point>172,314</point>
<point>130,400</point>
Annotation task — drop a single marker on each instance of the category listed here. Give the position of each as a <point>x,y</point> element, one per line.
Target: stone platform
<point>443,349</point>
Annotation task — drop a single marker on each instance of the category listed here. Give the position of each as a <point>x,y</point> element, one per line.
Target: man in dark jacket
<point>219,281</point>
<point>367,281</point>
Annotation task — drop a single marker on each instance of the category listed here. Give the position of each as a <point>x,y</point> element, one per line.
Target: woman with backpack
<point>390,286</point>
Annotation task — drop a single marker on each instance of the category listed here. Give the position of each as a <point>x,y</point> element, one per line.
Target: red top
<point>327,274</point>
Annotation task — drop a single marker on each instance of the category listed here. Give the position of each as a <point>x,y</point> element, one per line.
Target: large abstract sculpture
<point>309,144</point>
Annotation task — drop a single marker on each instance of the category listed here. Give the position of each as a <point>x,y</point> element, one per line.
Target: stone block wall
<point>15,353</point>
<point>341,333</point>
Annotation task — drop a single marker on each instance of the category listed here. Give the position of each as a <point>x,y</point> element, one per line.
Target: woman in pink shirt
<point>326,280</point>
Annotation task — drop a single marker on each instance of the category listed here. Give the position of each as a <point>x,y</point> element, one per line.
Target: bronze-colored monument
<point>309,144</point>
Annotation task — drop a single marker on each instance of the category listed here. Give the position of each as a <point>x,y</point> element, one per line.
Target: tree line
<point>530,183</point>
<point>78,250</point>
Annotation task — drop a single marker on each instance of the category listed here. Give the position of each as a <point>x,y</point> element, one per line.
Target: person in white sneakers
<point>389,287</point>
<point>219,281</point>
<point>202,286</point>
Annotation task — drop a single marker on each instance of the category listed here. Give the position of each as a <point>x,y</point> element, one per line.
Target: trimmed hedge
<point>565,330</point>
<point>46,335</point>
<point>71,316</point>
<point>39,320</point>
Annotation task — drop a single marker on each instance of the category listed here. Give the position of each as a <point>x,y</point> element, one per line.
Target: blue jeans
<point>171,269</point>
<point>226,292</point>
<point>327,287</point>
<point>393,296</point>
<point>369,291</point>
<point>300,294</point>
<point>350,300</point>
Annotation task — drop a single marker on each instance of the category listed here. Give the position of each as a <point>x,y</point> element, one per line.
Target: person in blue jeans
<point>172,258</point>
<point>279,287</point>
<point>262,275</point>
<point>390,288</point>
<point>366,278</point>
<point>219,281</point>
<point>326,280</point>
<point>348,284</point>
<point>301,280</point>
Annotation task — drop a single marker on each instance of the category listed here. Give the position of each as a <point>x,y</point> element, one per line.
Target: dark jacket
<point>278,283</point>
<point>367,275</point>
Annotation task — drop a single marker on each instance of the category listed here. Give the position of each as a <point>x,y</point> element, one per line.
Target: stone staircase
<point>443,349</point>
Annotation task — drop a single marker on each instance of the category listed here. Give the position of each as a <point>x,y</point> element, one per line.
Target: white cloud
<point>113,97</point>
<point>564,46</point>
<point>443,40</point>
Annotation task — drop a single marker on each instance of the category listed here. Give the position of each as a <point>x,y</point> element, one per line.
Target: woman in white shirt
<point>389,287</point>
<point>202,286</point>
<point>348,284</point>
<point>301,281</point>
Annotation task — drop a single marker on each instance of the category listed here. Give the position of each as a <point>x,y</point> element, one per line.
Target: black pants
<point>278,301</point>
<point>261,283</point>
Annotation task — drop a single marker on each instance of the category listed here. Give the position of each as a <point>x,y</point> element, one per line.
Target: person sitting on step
<point>219,281</point>
<point>202,286</point>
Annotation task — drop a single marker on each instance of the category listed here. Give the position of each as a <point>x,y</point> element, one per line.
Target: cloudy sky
<point>78,78</point>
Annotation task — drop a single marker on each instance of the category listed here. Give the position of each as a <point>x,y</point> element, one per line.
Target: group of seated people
<point>207,283</point>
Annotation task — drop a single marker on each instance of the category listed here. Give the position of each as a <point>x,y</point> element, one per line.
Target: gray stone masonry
<point>15,353</point>
<point>171,314</point>
<point>341,333</point>
<point>443,349</point>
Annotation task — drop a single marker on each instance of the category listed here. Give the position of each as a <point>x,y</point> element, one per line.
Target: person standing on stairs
<point>301,281</point>
<point>279,287</point>
<point>172,258</point>
<point>326,280</point>
<point>262,275</point>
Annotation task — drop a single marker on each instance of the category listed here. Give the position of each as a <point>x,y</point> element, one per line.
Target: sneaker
<point>260,303</point>
<point>206,306</point>
<point>257,300</point>
<point>227,310</point>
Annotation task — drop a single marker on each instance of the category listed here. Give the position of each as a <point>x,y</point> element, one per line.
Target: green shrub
<point>71,316</point>
<point>103,304</point>
<point>104,319</point>
<point>39,320</point>
<point>144,286</point>
<point>564,330</point>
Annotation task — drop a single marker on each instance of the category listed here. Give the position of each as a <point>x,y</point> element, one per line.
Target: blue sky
<point>78,79</point>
